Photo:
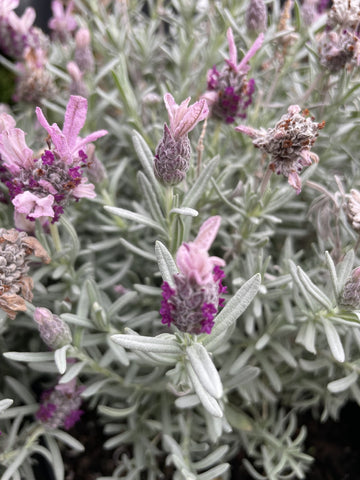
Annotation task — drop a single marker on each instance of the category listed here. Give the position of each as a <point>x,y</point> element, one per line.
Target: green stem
<point>55,236</point>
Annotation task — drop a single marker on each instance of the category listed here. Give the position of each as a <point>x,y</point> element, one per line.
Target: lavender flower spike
<point>172,155</point>
<point>229,92</point>
<point>195,299</point>
<point>42,187</point>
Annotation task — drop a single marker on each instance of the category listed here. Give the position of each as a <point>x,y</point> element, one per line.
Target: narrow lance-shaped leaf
<point>208,401</point>
<point>205,369</point>
<point>314,291</point>
<point>232,311</point>
<point>342,384</point>
<point>334,341</point>
<point>147,344</point>
<point>167,265</point>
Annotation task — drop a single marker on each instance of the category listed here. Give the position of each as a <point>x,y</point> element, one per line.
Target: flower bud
<point>256,16</point>
<point>172,158</point>
<point>54,332</point>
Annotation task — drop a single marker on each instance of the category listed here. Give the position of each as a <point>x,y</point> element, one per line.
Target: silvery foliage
<point>167,400</point>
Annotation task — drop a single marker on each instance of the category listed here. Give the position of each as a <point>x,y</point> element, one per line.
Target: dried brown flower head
<point>15,285</point>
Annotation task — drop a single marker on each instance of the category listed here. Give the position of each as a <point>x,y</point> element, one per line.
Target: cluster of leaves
<point>282,344</point>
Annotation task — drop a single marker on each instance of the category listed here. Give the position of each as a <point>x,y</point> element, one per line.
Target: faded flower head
<point>54,332</point>
<point>229,91</point>
<point>172,155</point>
<point>60,406</point>
<point>62,23</point>
<point>336,50</point>
<point>34,82</point>
<point>15,285</point>
<point>42,187</point>
<point>352,209</point>
<point>256,16</point>
<point>18,33</point>
<point>350,297</point>
<point>192,303</point>
<point>288,143</point>
<point>344,14</point>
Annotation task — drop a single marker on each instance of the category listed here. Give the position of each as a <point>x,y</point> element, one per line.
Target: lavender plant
<point>170,286</point>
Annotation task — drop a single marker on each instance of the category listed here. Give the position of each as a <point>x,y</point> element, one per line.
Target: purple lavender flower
<point>172,155</point>
<point>192,303</point>
<point>229,91</point>
<point>288,143</point>
<point>17,33</point>
<point>60,406</point>
<point>42,187</point>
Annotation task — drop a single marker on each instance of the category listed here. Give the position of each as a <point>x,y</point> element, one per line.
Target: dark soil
<point>334,445</point>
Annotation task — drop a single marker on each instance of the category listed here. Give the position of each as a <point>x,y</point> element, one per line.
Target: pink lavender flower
<point>43,186</point>
<point>172,155</point>
<point>288,143</point>
<point>53,330</point>
<point>60,406</point>
<point>17,33</point>
<point>192,303</point>
<point>62,23</point>
<point>229,91</point>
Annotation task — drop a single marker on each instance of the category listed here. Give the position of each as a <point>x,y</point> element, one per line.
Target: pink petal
<point>81,142</point>
<point>295,181</point>
<point>6,122</point>
<point>84,190</point>
<point>58,138</point>
<point>251,132</point>
<point>194,114</point>
<point>211,97</point>
<point>232,49</point>
<point>243,65</point>
<point>75,117</point>
<point>14,151</point>
<point>208,232</point>
<point>34,206</point>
